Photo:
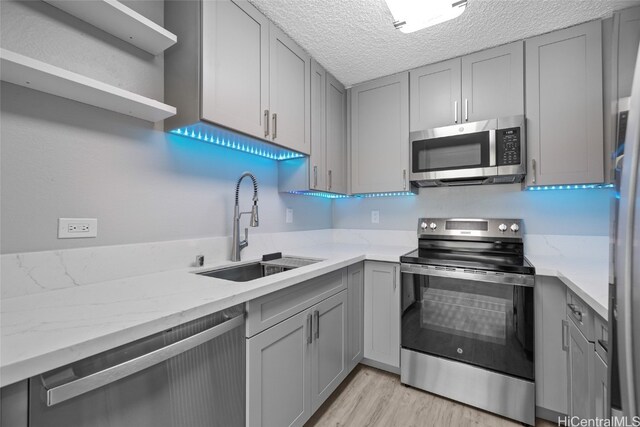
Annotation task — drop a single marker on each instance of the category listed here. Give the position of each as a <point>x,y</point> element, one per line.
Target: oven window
<point>484,324</point>
<point>452,152</point>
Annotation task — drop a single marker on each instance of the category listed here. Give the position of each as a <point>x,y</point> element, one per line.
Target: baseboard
<point>548,414</point>
<point>380,365</point>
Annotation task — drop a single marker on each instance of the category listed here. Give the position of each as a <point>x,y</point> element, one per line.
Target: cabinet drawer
<point>581,314</point>
<point>266,311</point>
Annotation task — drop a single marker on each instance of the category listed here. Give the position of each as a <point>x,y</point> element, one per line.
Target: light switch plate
<point>289,218</point>
<point>375,217</point>
<point>77,228</point>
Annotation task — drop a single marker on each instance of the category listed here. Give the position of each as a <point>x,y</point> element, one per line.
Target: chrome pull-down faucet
<point>238,244</point>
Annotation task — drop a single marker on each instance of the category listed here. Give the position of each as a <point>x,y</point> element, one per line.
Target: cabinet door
<point>278,374</point>
<point>355,298</point>
<point>336,132</point>
<point>317,160</point>
<point>14,405</point>
<point>380,135</point>
<point>382,313</point>
<point>493,83</point>
<point>329,361</point>
<point>579,369</point>
<point>628,40</point>
<point>290,87</point>
<point>564,106</point>
<point>235,65</point>
<point>551,343</point>
<point>435,95</point>
<point>600,392</point>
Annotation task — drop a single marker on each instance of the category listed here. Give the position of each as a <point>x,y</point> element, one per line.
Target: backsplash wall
<point>562,212</point>
<point>65,159</point>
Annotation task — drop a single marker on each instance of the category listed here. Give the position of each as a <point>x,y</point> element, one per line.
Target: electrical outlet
<point>77,228</point>
<point>375,217</point>
<point>289,218</point>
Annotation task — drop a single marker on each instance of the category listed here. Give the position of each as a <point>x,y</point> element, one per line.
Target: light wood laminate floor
<point>371,397</point>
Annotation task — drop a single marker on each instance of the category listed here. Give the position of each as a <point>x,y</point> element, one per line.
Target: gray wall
<point>60,158</point>
<point>573,212</point>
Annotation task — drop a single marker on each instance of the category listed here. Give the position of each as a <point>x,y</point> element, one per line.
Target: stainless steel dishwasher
<point>190,375</point>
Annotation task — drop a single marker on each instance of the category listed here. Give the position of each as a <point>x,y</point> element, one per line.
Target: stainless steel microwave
<point>486,152</point>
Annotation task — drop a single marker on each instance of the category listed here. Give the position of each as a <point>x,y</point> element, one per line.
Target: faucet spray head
<point>254,215</point>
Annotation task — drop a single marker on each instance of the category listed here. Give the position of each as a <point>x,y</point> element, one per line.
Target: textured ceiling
<point>355,40</point>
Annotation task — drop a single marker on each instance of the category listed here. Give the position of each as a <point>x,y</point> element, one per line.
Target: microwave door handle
<point>492,147</point>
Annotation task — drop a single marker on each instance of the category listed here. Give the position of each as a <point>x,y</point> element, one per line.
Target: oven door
<point>478,318</point>
<point>453,152</point>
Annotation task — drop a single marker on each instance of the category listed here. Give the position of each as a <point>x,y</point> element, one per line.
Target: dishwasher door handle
<point>110,375</point>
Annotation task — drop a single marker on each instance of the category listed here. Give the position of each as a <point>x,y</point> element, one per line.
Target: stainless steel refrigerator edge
<point>626,308</point>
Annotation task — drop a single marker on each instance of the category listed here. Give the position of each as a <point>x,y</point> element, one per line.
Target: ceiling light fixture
<point>414,15</point>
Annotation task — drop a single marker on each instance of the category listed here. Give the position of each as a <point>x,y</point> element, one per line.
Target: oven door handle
<point>468,274</point>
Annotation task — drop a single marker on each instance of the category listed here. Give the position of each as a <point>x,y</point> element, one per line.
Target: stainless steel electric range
<point>467,315</point>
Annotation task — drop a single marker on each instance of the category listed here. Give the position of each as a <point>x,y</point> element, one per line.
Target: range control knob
<point>502,227</point>
<point>515,227</point>
<point>423,225</point>
<point>433,226</point>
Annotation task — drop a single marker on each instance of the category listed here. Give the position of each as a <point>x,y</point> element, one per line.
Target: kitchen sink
<point>256,270</point>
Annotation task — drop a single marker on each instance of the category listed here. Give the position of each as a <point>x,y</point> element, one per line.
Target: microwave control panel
<point>508,146</point>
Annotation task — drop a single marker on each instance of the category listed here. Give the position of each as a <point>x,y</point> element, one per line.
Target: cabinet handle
<point>455,111</point>
<point>394,278</point>
<point>316,320</point>
<point>275,125</point>
<point>466,110</point>
<point>266,123</point>
<point>404,179</point>
<point>576,311</point>
<point>315,177</point>
<point>533,169</point>
<point>565,335</point>
<point>309,326</point>
<point>330,180</point>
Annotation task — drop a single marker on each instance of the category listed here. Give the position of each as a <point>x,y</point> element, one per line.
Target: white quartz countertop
<point>44,331</point>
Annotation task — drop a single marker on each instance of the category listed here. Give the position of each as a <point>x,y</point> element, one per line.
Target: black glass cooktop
<point>503,262</point>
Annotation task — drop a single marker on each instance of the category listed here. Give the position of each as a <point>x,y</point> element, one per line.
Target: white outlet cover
<point>289,218</point>
<point>77,228</point>
<point>375,217</point>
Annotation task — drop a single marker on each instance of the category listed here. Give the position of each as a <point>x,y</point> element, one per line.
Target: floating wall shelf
<point>120,21</point>
<point>37,75</point>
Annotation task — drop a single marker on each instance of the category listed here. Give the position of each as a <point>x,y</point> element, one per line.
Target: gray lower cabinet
<point>550,347</point>
<point>295,365</point>
<point>580,371</point>
<point>14,405</point>
<point>382,314</point>
<point>564,97</point>
<point>600,390</point>
<point>380,135</point>
<point>355,314</point>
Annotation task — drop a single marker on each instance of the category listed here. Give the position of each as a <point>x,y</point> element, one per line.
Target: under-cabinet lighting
<point>414,15</point>
<point>228,139</point>
<point>353,196</point>
<point>569,187</point>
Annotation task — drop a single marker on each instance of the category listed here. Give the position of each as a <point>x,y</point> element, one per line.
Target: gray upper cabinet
<point>336,136</point>
<point>290,73</point>
<point>628,40</point>
<point>480,86</point>
<point>493,83</point>
<point>435,95</point>
<point>355,299</point>
<point>564,106</point>
<point>234,68</point>
<point>235,74</point>
<point>380,135</point>
<point>317,160</point>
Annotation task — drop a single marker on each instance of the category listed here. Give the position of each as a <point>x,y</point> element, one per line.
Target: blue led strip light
<point>224,138</point>
<point>569,187</point>
<point>343,196</point>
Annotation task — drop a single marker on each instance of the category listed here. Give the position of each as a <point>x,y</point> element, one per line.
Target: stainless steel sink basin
<point>256,270</point>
